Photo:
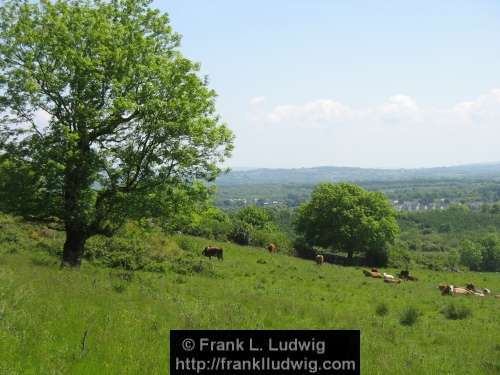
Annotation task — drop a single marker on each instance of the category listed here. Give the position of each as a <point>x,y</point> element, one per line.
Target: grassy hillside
<point>111,321</point>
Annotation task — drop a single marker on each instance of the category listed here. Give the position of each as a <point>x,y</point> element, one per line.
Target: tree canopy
<point>347,218</point>
<point>129,121</point>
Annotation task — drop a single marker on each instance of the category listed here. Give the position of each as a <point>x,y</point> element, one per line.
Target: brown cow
<point>452,290</point>
<point>211,251</point>
<point>320,259</point>
<point>375,275</point>
<point>272,248</point>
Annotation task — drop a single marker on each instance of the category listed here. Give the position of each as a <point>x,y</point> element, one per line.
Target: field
<point>110,321</point>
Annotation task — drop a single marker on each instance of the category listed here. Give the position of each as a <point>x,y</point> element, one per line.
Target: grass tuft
<point>409,316</point>
<point>381,309</point>
<point>456,312</point>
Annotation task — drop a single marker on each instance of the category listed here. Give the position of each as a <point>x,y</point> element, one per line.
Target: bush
<point>255,216</point>
<point>377,256</point>
<point>456,312</point>
<point>491,253</point>
<point>212,223</point>
<point>129,250</point>
<point>399,257</point>
<point>263,237</point>
<point>409,316</point>
<point>453,259</point>
<point>241,233</point>
<point>381,309</point>
<point>303,250</point>
<point>470,255</point>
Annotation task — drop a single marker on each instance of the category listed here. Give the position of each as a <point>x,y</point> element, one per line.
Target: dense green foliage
<point>346,218</point>
<point>457,235</point>
<point>131,122</point>
<point>102,320</point>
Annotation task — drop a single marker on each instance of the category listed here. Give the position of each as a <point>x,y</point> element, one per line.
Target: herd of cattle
<point>446,289</point>
<point>403,275</point>
<point>218,252</point>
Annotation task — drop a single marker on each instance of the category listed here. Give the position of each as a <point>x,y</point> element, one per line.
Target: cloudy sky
<point>350,83</point>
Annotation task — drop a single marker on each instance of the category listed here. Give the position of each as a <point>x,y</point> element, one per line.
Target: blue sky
<point>359,83</point>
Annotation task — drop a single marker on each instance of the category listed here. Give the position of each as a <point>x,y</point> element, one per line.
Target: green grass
<point>110,321</point>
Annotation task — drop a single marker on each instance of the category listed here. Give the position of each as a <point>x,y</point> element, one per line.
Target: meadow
<point>113,321</point>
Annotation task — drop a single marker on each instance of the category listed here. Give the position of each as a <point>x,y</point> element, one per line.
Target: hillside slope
<point>108,321</point>
<point>353,174</point>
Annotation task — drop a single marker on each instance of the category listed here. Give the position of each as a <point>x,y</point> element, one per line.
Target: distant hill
<point>352,174</point>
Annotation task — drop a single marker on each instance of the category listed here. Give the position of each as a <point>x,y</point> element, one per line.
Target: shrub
<point>262,237</point>
<point>303,250</point>
<point>188,244</point>
<point>212,223</point>
<point>491,253</point>
<point>255,216</point>
<point>129,250</point>
<point>381,309</point>
<point>453,259</point>
<point>377,256</point>
<point>409,316</point>
<point>456,312</point>
<point>399,257</point>
<point>241,233</point>
<point>470,255</point>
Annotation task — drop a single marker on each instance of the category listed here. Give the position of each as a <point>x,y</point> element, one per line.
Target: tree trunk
<point>76,182</point>
<point>349,257</point>
<point>73,247</point>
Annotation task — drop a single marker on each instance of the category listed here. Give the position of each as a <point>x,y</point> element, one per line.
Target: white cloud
<point>318,111</point>
<point>395,133</point>
<point>397,108</point>
<point>399,104</point>
<point>483,110</point>
<point>257,100</point>
<point>400,109</point>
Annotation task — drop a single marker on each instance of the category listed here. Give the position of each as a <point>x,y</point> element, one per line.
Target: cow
<point>452,290</point>
<point>320,259</point>
<point>272,248</point>
<point>405,275</point>
<point>212,251</point>
<point>388,277</point>
<point>375,275</point>
<point>477,291</point>
<point>392,281</point>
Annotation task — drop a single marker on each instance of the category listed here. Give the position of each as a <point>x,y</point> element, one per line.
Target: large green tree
<point>128,117</point>
<point>348,218</point>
